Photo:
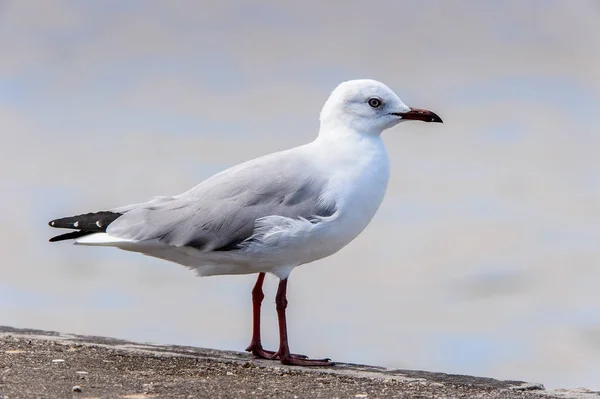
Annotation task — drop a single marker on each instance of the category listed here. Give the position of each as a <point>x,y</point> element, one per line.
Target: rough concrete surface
<point>41,364</point>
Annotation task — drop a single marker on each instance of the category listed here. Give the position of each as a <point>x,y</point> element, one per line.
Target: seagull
<point>273,213</point>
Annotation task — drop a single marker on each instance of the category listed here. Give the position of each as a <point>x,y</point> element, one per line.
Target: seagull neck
<point>343,133</point>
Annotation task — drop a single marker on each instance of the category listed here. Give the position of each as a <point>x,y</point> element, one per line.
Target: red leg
<point>257,297</point>
<point>284,351</point>
<point>255,344</point>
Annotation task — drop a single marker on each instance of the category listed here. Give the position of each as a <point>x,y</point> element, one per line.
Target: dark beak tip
<point>434,117</point>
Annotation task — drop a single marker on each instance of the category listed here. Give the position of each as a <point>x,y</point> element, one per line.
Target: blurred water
<point>483,259</point>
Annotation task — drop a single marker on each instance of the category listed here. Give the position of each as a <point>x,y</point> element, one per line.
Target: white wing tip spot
<point>52,223</point>
<point>76,224</point>
<point>99,224</point>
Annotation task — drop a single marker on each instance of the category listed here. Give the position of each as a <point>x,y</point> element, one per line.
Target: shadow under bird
<point>272,213</point>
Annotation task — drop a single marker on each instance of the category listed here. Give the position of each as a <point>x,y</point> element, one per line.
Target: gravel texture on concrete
<point>41,364</point>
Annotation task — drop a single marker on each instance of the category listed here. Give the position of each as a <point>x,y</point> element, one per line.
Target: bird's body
<point>350,192</point>
<point>272,213</point>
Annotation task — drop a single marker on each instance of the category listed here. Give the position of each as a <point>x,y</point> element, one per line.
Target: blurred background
<point>484,257</point>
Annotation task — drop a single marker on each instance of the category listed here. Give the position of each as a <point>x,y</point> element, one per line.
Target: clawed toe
<point>300,360</point>
<point>261,353</point>
<point>295,361</point>
<point>298,356</point>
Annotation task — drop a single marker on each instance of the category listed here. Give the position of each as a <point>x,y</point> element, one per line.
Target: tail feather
<point>94,222</point>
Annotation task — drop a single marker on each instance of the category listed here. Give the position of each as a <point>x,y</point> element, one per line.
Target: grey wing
<point>220,213</point>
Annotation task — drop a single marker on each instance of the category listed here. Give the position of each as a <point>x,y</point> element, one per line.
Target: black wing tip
<point>71,235</point>
<point>57,238</point>
<point>93,221</point>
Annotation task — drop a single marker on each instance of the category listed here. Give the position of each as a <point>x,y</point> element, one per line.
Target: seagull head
<point>368,107</point>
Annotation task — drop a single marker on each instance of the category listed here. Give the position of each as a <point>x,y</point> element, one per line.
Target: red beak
<point>419,114</point>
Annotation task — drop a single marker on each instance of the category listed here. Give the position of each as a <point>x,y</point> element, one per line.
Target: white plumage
<point>348,156</point>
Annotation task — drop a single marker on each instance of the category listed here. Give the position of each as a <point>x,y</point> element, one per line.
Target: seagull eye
<point>374,102</point>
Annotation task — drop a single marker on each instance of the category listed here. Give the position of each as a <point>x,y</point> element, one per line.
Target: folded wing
<point>221,213</point>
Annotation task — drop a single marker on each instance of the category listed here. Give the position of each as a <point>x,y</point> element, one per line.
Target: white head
<point>368,107</point>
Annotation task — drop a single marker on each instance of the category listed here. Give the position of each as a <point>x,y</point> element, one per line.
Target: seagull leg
<point>283,353</point>
<point>257,297</point>
<point>255,346</point>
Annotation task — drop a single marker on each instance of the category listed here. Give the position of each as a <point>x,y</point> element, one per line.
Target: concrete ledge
<point>42,364</point>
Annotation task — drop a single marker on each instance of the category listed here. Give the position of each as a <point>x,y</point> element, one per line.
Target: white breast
<point>359,178</point>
